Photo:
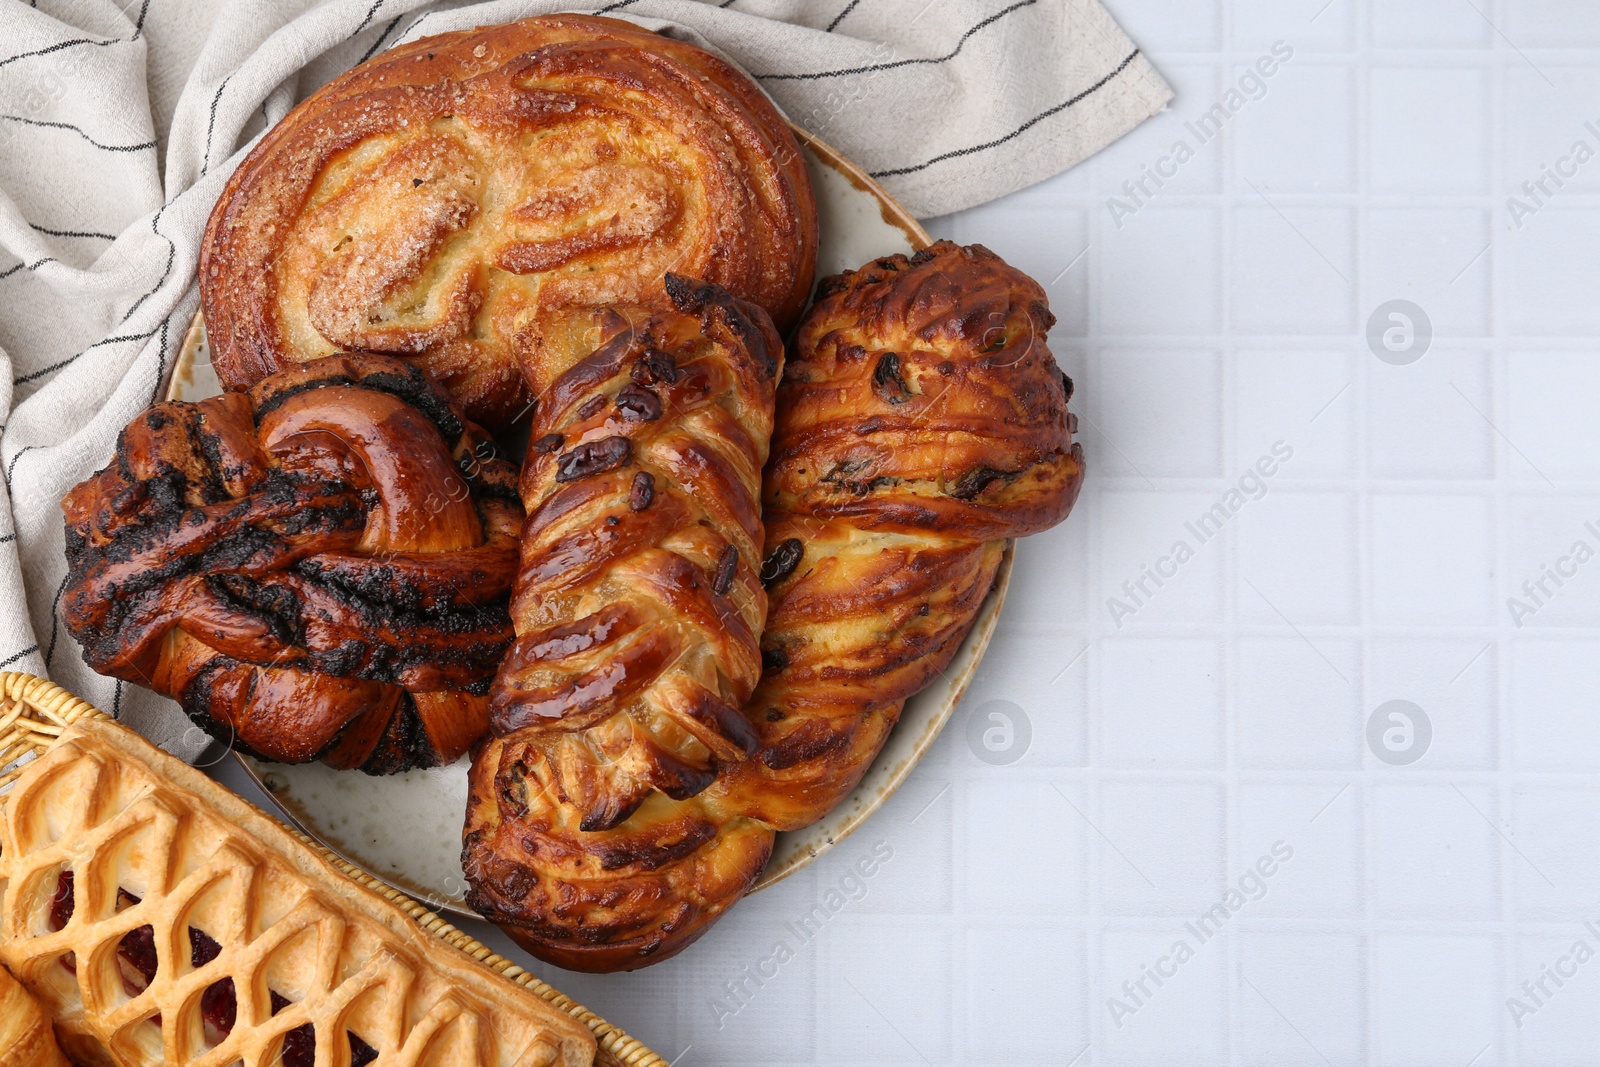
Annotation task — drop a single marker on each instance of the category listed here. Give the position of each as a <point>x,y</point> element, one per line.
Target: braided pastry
<point>439,201</point>
<point>638,611</point>
<point>921,421</point>
<point>317,568</point>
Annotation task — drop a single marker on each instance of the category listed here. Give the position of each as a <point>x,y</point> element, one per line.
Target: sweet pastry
<point>921,422</point>
<point>26,1039</point>
<point>317,568</point>
<point>440,201</point>
<point>160,920</point>
<point>638,610</point>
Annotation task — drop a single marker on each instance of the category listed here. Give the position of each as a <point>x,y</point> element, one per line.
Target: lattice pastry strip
<point>26,1036</point>
<point>163,919</point>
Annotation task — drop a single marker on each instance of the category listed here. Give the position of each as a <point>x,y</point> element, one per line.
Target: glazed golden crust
<point>442,201</point>
<point>922,420</point>
<point>318,568</point>
<point>638,611</point>
<point>26,1039</point>
<point>925,388</point>
<point>162,920</point>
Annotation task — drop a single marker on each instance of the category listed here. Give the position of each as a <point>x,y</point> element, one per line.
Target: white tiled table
<point>1228,710</point>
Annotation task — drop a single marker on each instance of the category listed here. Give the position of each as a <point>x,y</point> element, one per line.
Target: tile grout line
<point>1093,933</point>
<point>1227,648</point>
<point>1365,598</point>
<point>1499,383</point>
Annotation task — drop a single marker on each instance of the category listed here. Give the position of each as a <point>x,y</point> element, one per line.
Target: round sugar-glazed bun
<point>452,198</point>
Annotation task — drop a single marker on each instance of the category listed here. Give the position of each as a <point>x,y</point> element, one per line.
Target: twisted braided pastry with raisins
<point>317,568</point>
<point>638,613</point>
<point>921,421</point>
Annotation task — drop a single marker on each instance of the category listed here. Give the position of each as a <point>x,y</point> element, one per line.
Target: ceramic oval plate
<point>406,828</point>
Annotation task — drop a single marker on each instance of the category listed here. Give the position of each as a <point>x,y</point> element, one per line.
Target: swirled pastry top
<point>441,201</point>
<point>317,568</point>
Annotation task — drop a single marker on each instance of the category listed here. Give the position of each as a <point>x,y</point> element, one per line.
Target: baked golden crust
<point>317,568</point>
<point>440,201</point>
<point>921,421</point>
<point>26,1039</point>
<point>638,611</point>
<point>925,386</point>
<point>162,920</point>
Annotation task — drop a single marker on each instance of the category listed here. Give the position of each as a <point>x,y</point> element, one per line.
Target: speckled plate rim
<point>921,721</point>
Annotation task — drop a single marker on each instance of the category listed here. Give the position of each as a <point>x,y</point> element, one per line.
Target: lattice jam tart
<point>160,919</point>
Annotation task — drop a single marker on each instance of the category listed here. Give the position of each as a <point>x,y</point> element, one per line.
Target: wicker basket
<point>33,713</point>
